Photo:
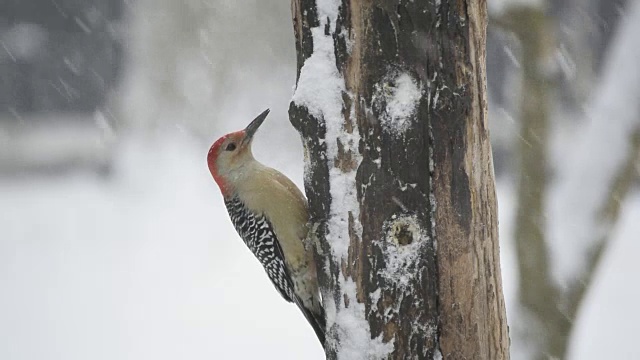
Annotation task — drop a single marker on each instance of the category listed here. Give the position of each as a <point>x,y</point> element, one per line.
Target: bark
<point>422,268</point>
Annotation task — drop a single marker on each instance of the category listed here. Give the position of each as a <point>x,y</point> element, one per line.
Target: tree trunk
<point>391,105</point>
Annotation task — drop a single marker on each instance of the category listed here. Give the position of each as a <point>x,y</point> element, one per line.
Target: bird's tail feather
<point>317,321</point>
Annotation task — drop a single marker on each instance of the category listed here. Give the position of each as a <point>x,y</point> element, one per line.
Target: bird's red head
<point>230,152</point>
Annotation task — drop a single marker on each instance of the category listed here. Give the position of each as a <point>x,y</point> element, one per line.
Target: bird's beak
<point>251,129</point>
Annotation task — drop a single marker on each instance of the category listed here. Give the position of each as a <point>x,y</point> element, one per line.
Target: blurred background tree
<point>558,255</point>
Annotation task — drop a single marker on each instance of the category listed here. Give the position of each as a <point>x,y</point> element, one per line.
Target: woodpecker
<point>270,214</point>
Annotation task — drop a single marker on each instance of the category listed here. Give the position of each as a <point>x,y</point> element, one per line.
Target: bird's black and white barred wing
<point>257,233</point>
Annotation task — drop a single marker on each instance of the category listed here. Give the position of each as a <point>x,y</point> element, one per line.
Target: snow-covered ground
<point>609,322</point>
<point>146,265</point>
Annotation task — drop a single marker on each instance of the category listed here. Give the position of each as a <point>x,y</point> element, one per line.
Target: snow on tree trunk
<point>391,105</point>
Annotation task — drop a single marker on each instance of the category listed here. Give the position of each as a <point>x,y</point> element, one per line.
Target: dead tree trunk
<point>391,105</point>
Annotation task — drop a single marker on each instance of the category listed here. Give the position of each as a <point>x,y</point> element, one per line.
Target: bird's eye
<point>231,147</point>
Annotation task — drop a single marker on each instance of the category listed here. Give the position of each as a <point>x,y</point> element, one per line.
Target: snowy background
<point>114,241</point>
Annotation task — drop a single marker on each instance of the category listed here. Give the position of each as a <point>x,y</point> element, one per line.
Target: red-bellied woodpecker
<point>270,214</point>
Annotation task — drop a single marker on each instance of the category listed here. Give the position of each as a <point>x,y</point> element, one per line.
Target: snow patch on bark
<point>575,203</point>
<point>320,85</point>
<point>355,333</point>
<point>437,355</point>
<point>398,95</point>
<point>320,89</point>
<point>375,298</point>
<point>402,250</point>
<point>327,11</point>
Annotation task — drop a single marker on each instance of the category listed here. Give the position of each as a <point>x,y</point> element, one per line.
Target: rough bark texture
<point>437,175</point>
<point>472,310</point>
